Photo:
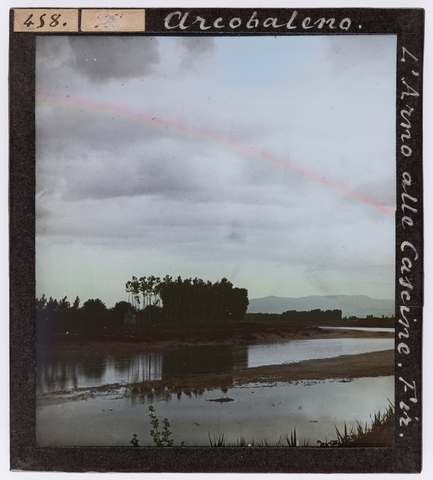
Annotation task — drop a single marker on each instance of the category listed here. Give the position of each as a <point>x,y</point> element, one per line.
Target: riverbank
<point>134,337</point>
<point>345,367</point>
<point>373,364</point>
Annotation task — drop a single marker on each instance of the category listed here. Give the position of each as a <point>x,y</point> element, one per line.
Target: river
<point>253,412</point>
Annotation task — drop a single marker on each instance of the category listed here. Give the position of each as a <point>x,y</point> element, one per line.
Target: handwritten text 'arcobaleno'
<point>185,20</point>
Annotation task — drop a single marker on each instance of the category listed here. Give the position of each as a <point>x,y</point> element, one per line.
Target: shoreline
<point>373,364</point>
<point>345,367</point>
<point>133,338</point>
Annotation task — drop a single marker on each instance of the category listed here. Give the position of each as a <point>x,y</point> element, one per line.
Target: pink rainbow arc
<point>74,103</point>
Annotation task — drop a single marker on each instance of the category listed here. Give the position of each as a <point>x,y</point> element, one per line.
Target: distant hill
<point>351,305</point>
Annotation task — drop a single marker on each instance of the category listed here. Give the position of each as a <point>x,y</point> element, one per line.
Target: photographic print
<point>215,232</point>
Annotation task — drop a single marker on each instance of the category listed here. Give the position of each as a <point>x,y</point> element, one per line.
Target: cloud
<point>51,52</point>
<point>192,189</point>
<point>101,59</point>
<point>195,49</point>
<point>65,132</point>
<point>364,55</point>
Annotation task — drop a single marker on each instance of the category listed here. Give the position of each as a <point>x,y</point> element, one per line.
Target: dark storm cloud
<point>106,176</point>
<point>62,131</point>
<point>195,48</point>
<point>158,178</point>
<point>104,58</point>
<point>51,51</point>
<point>202,188</point>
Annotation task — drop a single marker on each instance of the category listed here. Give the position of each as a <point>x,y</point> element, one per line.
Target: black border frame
<point>405,456</point>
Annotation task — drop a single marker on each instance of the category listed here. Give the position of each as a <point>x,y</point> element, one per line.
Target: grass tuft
<point>379,434</point>
<point>217,440</point>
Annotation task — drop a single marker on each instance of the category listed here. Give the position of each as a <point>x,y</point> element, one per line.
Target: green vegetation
<point>379,434</point>
<point>312,317</point>
<point>176,302</point>
<point>186,301</point>
<point>134,440</point>
<point>160,438</point>
<point>284,441</point>
<point>293,440</point>
<point>152,301</point>
<point>320,318</point>
<point>217,440</point>
<point>59,316</point>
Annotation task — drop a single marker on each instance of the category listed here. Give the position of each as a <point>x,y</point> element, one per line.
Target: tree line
<point>304,318</point>
<point>319,317</point>
<point>60,316</point>
<point>186,301</point>
<point>152,301</point>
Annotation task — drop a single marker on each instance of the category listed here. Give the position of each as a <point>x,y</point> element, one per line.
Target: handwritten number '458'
<point>54,18</point>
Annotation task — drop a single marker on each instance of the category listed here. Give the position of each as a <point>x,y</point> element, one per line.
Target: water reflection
<point>256,412</point>
<point>204,359</point>
<point>66,371</point>
<point>152,397</point>
<point>54,375</point>
<point>94,370</point>
<point>138,367</point>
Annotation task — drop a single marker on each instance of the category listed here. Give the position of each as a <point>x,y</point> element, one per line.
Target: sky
<point>266,160</point>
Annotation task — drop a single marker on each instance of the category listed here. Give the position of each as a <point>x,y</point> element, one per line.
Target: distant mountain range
<point>351,305</point>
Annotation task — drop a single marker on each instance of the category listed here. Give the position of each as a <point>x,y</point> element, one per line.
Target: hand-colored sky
<point>118,196</point>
